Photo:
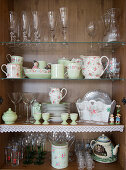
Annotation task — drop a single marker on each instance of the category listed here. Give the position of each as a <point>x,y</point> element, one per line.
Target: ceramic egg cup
<point>73,117</point>
<point>45,117</point>
<point>64,117</point>
<point>37,117</point>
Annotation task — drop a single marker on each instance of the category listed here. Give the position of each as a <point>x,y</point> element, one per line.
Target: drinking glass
<point>15,98</point>
<point>8,154</point>
<point>51,17</point>
<point>113,70</point>
<point>36,26</point>
<point>64,21</point>
<point>12,22</point>
<point>27,98</point>
<point>14,157</point>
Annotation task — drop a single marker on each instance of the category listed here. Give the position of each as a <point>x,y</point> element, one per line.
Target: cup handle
<point>65,92</point>
<point>8,55</point>
<point>4,65</point>
<point>106,65</point>
<point>92,144</point>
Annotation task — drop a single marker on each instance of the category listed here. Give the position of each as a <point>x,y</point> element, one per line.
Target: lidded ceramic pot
<point>9,117</point>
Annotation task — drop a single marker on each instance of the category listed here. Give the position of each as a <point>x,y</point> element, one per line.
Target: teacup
<point>73,70</point>
<point>64,117</point>
<point>45,117</point>
<point>13,70</point>
<point>57,71</point>
<point>73,117</point>
<point>15,59</point>
<point>42,64</point>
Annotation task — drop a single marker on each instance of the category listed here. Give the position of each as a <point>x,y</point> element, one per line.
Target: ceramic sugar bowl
<point>9,117</point>
<point>103,150</point>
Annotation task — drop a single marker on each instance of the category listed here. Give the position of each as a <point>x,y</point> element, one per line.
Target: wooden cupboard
<point>78,42</point>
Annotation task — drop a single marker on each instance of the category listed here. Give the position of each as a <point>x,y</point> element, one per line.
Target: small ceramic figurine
<point>111,119</point>
<point>35,65</point>
<point>48,66</point>
<point>118,114</point>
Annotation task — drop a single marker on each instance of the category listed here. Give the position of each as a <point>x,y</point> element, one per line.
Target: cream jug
<point>92,67</point>
<point>55,95</point>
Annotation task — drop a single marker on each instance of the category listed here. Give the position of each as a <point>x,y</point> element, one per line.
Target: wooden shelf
<point>72,166</point>
<point>80,127</point>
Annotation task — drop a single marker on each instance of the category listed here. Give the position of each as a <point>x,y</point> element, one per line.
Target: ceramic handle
<point>4,65</point>
<point>92,144</point>
<point>101,63</point>
<point>65,92</point>
<point>8,55</point>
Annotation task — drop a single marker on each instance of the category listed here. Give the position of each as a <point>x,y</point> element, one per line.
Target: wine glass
<point>64,21</point>
<point>15,98</point>
<point>27,98</point>
<point>91,29</point>
<point>51,17</point>
<point>36,26</point>
<point>12,22</point>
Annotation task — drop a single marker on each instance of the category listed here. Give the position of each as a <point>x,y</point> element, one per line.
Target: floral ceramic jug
<point>56,95</point>
<point>92,67</point>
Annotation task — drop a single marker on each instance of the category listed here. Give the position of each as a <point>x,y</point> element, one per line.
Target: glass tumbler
<point>15,157</point>
<point>8,155</point>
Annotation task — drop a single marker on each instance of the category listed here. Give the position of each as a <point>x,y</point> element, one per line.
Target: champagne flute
<point>12,23</point>
<point>51,16</point>
<point>91,29</point>
<point>25,25</point>
<point>64,21</point>
<point>36,26</point>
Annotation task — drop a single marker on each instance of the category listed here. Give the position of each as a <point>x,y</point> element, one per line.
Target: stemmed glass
<point>91,29</point>
<point>36,26</point>
<point>12,22</point>
<point>64,21</point>
<point>15,98</point>
<point>51,16</point>
<point>25,25</point>
<point>27,98</point>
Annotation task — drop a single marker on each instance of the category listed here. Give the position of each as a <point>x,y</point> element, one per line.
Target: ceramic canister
<point>57,71</point>
<point>59,155</point>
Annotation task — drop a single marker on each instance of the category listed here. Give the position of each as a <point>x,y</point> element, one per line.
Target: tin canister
<point>59,157</point>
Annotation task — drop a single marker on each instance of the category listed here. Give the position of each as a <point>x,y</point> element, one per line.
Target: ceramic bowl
<point>38,73</point>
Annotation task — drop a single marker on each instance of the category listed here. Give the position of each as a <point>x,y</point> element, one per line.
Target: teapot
<point>55,95</point>
<point>9,117</point>
<point>103,150</point>
<point>92,67</point>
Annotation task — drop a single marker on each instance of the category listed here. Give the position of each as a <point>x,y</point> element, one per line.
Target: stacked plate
<point>55,110</point>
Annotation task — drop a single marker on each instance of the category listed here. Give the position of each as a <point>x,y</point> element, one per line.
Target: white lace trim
<point>60,128</point>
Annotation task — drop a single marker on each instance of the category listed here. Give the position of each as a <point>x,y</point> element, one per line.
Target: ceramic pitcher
<point>92,67</point>
<point>56,95</point>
